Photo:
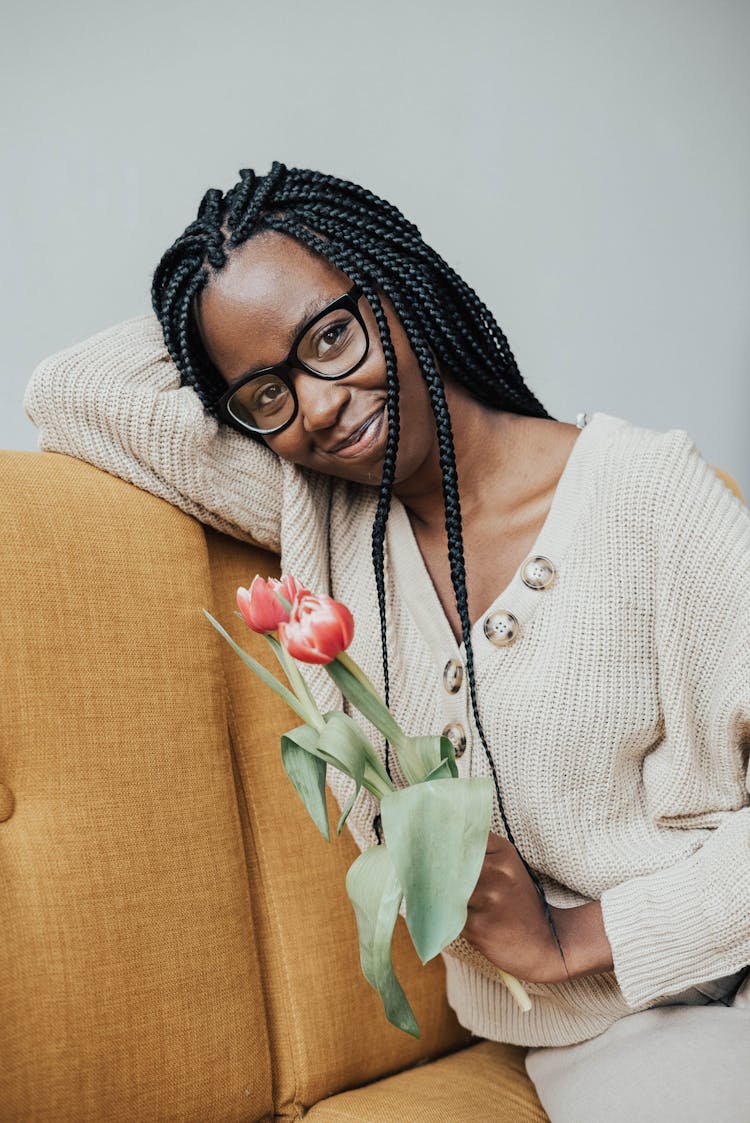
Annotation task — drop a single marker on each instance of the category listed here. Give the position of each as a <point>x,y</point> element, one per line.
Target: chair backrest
<point>730,481</point>
<point>130,980</point>
<point>177,940</point>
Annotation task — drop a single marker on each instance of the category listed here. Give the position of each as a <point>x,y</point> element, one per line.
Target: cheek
<point>285,446</point>
<point>415,408</point>
<point>414,396</point>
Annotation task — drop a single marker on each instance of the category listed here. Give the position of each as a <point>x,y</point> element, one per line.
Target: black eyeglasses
<point>331,345</point>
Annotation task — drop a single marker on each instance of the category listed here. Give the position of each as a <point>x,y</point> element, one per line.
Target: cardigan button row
<point>502,627</point>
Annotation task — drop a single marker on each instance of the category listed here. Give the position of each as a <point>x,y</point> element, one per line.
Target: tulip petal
<point>375,893</point>
<point>243,603</point>
<point>437,836</point>
<point>318,628</point>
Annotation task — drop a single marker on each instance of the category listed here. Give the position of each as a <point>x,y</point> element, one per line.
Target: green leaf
<point>441,771</point>
<point>437,837</point>
<point>447,767</point>
<point>264,675</point>
<point>367,702</point>
<point>423,758</point>
<point>375,766</point>
<point>308,774</point>
<point>375,893</point>
<point>374,782</point>
<point>343,741</point>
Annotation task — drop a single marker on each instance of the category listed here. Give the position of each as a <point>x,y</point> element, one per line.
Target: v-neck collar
<point>410,572</point>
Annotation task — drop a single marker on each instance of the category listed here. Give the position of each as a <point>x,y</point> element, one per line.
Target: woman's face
<point>248,316</point>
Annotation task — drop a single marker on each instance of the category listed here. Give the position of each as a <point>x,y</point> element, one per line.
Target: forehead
<point>249,311</point>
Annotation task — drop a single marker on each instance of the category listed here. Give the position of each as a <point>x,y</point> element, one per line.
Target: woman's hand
<point>506,922</point>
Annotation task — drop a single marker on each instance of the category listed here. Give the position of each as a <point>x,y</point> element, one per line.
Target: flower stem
<point>377,785</point>
<point>297,682</point>
<point>265,676</point>
<point>346,660</point>
<point>366,699</point>
<point>518,990</point>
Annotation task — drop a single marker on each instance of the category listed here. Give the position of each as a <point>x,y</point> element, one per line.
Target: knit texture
<point>618,719</point>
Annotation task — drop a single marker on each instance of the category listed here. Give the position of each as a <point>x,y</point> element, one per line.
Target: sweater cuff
<point>683,925</point>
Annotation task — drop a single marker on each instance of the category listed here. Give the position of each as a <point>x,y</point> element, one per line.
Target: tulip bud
<point>318,629</point>
<point>261,609</point>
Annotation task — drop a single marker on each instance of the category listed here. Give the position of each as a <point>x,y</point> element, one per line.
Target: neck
<point>492,470</point>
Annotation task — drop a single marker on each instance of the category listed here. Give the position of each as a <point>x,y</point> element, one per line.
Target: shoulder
<point>651,497</point>
<point>666,492</point>
<point>663,467</point>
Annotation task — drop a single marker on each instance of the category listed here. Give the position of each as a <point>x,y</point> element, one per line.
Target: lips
<point>351,440</point>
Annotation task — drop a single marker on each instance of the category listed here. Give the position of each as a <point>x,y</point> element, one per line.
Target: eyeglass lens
<point>332,346</point>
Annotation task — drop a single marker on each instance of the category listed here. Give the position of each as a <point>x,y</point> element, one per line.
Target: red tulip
<point>261,608</point>
<point>319,628</point>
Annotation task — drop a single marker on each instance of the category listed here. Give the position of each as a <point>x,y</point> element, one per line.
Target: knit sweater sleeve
<point>690,922</point>
<point>115,401</point>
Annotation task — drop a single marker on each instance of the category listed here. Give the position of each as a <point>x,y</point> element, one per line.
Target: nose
<point>320,401</point>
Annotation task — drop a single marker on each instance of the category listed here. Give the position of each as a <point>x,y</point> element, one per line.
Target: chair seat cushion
<point>486,1082</point>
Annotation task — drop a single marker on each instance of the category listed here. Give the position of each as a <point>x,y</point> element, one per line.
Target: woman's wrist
<point>584,941</point>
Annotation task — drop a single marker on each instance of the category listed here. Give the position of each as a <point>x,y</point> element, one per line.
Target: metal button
<point>501,628</point>
<point>457,737</point>
<point>453,676</point>
<point>538,573</point>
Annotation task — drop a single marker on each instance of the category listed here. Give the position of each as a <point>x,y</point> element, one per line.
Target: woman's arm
<point>583,939</point>
<point>115,401</point>
<point>506,922</point>
<point>690,921</point>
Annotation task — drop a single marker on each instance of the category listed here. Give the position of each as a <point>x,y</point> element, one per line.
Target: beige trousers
<point>684,1060</point>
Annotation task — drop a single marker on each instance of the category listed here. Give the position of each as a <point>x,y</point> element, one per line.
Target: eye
<point>269,397</point>
<point>333,338</point>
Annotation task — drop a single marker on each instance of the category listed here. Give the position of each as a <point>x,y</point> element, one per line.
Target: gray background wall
<point>583,163</point>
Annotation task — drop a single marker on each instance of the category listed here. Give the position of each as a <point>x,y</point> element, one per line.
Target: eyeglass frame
<point>292,362</point>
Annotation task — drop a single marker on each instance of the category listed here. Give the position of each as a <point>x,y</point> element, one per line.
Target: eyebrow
<point>314,305</point>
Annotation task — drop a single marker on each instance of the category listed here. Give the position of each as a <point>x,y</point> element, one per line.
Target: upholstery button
<point>453,676</point>
<point>538,573</point>
<point>457,737</point>
<point>7,803</point>
<point>501,628</point>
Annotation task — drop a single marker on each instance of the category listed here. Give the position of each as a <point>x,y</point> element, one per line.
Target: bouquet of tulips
<point>435,828</point>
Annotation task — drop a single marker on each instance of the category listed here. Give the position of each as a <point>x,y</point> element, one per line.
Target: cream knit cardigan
<point>619,719</point>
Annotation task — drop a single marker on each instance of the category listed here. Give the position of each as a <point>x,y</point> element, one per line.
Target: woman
<point>569,602</point>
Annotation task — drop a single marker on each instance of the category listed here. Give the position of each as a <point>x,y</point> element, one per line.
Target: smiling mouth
<point>360,440</point>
